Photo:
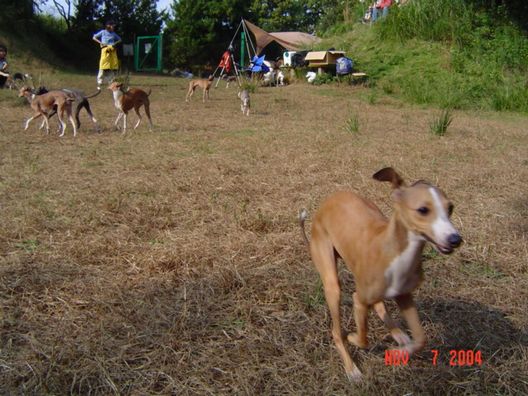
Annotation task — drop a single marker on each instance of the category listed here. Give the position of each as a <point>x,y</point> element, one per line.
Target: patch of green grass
<point>241,132</point>
<point>324,78</point>
<point>250,86</point>
<point>440,124</point>
<point>430,254</point>
<point>481,269</point>
<point>445,53</point>
<point>316,298</point>
<point>352,124</point>
<point>28,246</point>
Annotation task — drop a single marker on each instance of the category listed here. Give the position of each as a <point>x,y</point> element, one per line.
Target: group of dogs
<point>46,103</point>
<point>384,255</point>
<point>61,102</point>
<point>206,84</point>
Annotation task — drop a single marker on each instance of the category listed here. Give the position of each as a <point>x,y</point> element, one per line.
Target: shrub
<point>323,78</point>
<point>440,124</point>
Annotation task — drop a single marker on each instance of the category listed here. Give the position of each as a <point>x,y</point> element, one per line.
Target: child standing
<point>3,66</point>
<point>108,63</point>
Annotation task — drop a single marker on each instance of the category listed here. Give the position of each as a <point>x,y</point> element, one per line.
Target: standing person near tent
<point>108,63</point>
<point>4,74</point>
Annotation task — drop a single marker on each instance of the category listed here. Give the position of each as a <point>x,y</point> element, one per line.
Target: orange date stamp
<point>457,357</point>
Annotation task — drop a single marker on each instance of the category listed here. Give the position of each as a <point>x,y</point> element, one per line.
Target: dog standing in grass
<point>125,101</point>
<point>245,104</point>
<point>202,83</point>
<point>43,105</point>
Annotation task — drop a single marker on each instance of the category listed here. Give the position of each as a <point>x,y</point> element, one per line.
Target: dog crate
<point>148,54</point>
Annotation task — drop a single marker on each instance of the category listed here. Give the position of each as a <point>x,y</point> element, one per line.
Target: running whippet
<point>383,254</point>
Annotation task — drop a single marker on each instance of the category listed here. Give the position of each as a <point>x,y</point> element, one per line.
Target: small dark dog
<point>81,101</point>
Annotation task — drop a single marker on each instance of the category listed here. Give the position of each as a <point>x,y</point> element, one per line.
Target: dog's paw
<point>353,338</point>
<point>354,375</point>
<point>400,337</point>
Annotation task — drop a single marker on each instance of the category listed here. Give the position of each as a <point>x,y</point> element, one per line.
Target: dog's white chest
<point>117,99</point>
<point>402,275</point>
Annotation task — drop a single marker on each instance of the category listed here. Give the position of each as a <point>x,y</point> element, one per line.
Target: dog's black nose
<point>454,240</point>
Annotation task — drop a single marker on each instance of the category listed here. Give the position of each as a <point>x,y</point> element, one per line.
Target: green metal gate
<point>148,54</point>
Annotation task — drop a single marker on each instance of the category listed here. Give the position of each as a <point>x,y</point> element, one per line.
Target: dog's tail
<point>303,215</point>
<point>93,95</point>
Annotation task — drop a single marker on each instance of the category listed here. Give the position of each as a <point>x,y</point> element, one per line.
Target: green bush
<point>324,78</point>
<point>447,53</point>
<point>440,124</point>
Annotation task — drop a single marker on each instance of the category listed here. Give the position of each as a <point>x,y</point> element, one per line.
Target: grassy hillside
<point>441,52</point>
<point>40,45</point>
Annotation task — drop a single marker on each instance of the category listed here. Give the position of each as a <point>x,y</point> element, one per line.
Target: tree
<point>200,30</point>
<point>288,15</point>
<point>14,11</point>
<point>133,17</point>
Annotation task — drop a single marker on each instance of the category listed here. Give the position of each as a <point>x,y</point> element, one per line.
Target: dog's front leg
<point>410,314</point>
<point>397,334</point>
<point>124,122</point>
<point>31,119</point>
<point>117,120</point>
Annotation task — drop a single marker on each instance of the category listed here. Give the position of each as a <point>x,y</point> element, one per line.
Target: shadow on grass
<point>464,325</point>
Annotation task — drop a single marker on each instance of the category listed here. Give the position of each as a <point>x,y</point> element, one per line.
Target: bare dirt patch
<point>171,261</point>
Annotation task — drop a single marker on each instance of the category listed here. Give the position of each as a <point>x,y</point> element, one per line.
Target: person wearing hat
<point>108,63</point>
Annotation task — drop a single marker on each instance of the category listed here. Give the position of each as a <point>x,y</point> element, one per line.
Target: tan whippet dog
<point>125,101</point>
<point>202,83</point>
<point>383,254</point>
<point>43,105</point>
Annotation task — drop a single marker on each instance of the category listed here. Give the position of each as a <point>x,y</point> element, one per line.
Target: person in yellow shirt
<point>108,63</point>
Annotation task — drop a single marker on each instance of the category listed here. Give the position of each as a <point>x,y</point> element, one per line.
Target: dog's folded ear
<point>389,175</point>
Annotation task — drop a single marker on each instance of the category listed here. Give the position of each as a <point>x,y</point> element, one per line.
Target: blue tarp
<point>344,66</point>
<point>257,65</point>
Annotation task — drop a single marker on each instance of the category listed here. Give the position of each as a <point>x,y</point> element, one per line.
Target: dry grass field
<point>170,262</point>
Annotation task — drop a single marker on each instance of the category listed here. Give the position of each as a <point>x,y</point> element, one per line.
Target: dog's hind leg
<point>136,109</point>
<point>325,262</point>
<point>147,112</point>
<point>72,121</point>
<point>360,317</point>
<point>62,123</point>
<point>190,92</point>
<point>86,105</point>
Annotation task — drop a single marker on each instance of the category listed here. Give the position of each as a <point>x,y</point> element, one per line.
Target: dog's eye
<point>423,210</point>
<point>450,209</point>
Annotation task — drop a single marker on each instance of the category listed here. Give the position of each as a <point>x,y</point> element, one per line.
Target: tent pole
<point>220,76</point>
<point>242,48</point>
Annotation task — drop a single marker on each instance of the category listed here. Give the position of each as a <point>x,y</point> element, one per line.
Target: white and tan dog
<point>245,102</point>
<point>383,254</point>
<point>43,105</point>
<point>125,101</point>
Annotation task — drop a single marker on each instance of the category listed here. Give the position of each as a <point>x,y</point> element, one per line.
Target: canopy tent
<point>291,41</point>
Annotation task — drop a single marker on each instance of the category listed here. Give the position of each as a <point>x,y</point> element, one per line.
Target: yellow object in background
<point>109,60</point>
